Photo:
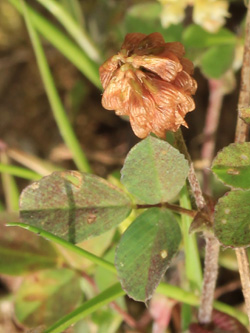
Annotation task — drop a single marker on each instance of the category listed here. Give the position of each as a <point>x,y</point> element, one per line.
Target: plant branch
<point>209,280</point>
<point>212,245</point>
<point>174,208</point>
<point>241,136</point>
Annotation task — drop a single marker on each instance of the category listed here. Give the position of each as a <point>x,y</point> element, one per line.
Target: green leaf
<point>232,165</point>
<point>196,37</point>
<point>150,10</point>
<point>217,60</point>
<point>46,296</point>
<point>22,252</point>
<point>73,205</point>
<point>145,252</point>
<point>232,219</point>
<point>154,171</point>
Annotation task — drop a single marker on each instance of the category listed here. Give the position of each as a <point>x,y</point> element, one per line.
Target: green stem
<point>59,39</point>
<point>87,308</point>
<point>10,188</point>
<point>74,7</point>
<point>192,257</point>
<point>54,99</point>
<point>19,172</point>
<point>77,32</point>
<point>96,260</point>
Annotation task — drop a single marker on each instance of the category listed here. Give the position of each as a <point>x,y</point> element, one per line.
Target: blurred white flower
<point>210,14</point>
<point>173,11</point>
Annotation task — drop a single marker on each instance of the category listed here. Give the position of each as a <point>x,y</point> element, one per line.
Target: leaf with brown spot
<point>232,219</point>
<point>145,252</point>
<point>74,205</point>
<point>232,165</point>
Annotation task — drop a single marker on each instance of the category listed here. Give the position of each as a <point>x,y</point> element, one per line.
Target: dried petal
<point>167,68</point>
<point>107,70</point>
<point>175,47</point>
<point>184,81</point>
<point>131,41</point>
<point>151,44</point>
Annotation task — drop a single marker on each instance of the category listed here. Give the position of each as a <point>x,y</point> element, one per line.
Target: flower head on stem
<point>150,81</point>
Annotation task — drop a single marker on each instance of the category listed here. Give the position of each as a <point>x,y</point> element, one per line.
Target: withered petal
<point>116,94</point>
<point>151,44</point>
<point>140,126</point>
<point>131,41</point>
<point>175,47</point>
<point>187,65</point>
<point>142,113</point>
<point>184,81</point>
<point>107,70</point>
<point>167,68</point>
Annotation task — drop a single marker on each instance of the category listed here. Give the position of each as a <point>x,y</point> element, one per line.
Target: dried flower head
<point>149,80</point>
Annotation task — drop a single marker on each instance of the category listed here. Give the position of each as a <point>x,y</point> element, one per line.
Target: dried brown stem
<point>241,136</point>
<point>212,245</point>
<point>209,279</point>
<point>211,124</point>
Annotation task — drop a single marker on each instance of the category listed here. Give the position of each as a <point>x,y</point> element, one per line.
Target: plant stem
<point>212,245</point>
<point>209,279</point>
<point>241,136</point>
<point>216,95</point>
<point>174,208</point>
<point>76,31</point>
<point>57,107</point>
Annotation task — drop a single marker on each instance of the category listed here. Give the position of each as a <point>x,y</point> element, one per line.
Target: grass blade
<point>68,48</point>
<point>76,31</point>
<point>54,99</point>
<point>19,172</point>
<point>96,260</point>
<point>74,7</point>
<point>87,308</point>
<point>10,188</point>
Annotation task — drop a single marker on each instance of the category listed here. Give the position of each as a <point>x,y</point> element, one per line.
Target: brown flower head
<point>149,80</point>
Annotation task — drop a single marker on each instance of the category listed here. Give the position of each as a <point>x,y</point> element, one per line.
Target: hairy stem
<point>209,279</point>
<point>241,136</point>
<point>212,245</point>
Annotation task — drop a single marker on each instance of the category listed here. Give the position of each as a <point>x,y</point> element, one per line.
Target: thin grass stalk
<point>59,39</point>
<point>74,29</point>
<point>59,113</point>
